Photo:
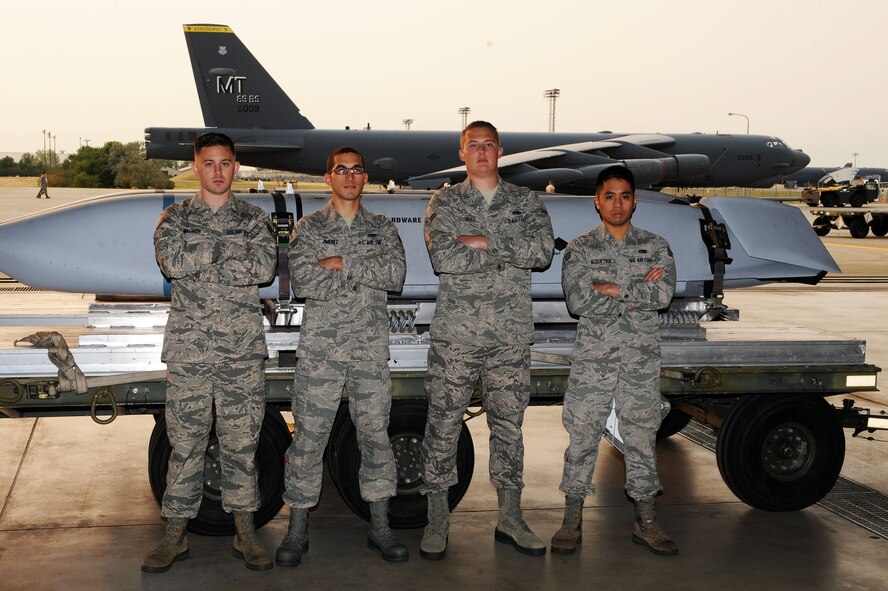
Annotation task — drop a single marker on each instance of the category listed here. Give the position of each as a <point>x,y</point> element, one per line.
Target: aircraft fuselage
<point>734,160</point>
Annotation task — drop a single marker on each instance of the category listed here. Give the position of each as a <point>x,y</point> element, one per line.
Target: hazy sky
<point>811,72</point>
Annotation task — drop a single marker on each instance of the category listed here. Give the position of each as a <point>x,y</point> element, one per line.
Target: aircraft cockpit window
<point>775,144</point>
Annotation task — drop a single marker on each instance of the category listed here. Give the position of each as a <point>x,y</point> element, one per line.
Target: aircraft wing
<point>840,175</point>
<point>581,162</point>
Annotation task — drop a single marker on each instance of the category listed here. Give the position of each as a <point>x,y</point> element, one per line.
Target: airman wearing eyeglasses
<point>343,260</point>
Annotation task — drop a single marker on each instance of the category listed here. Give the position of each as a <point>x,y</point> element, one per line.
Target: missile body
<point>104,245</point>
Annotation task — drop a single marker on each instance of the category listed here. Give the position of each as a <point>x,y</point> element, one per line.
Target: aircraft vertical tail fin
<point>235,91</point>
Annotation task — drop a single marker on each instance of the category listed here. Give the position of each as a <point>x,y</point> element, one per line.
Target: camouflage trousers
<point>316,398</point>
<point>635,390</point>
<point>237,393</point>
<point>453,370</point>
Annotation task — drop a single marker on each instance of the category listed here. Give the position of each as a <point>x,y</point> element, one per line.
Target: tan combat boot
<point>381,537</point>
<point>646,531</point>
<point>173,547</point>
<point>247,546</point>
<point>434,539</point>
<point>511,527</point>
<point>566,539</point>
<point>295,543</point>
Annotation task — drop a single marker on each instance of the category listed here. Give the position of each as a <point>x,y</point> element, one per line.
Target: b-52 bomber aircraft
<point>239,98</point>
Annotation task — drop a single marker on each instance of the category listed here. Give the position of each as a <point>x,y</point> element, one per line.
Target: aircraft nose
<point>800,159</point>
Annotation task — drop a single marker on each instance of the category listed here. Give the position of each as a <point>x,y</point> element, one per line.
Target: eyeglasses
<point>342,171</point>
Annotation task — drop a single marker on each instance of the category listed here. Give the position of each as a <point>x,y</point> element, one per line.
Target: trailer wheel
<point>879,225</point>
<point>212,520</point>
<point>674,422</point>
<point>822,225</point>
<point>407,509</point>
<point>856,225</point>
<point>781,453</point>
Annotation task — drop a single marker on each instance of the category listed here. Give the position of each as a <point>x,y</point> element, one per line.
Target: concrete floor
<point>76,510</point>
<point>78,514</point>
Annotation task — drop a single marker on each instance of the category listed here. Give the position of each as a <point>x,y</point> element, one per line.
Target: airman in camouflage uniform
<point>215,249</point>
<point>484,236</point>
<point>615,278</point>
<point>343,261</point>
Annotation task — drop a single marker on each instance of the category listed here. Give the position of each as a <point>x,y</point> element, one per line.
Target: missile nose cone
<point>16,255</point>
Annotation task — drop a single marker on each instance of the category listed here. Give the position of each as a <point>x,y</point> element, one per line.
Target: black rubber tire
<point>858,198</point>
<point>856,225</point>
<point>781,452</point>
<point>212,520</point>
<point>829,200</point>
<point>407,510</point>
<point>674,422</point>
<point>879,225</point>
<point>822,225</point>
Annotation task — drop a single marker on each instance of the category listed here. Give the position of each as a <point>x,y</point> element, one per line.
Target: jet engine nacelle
<point>685,166</point>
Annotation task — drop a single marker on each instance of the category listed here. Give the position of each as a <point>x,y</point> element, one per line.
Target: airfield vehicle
<point>843,196</point>
<point>839,195</point>
<point>780,443</point>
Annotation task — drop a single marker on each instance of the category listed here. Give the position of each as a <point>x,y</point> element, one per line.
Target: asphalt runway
<point>77,511</point>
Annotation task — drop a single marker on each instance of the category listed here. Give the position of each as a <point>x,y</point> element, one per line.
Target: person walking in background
<point>43,186</point>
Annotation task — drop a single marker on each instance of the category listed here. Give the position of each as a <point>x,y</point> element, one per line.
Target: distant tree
<point>8,167</point>
<point>89,167</point>
<point>133,171</point>
<point>30,165</point>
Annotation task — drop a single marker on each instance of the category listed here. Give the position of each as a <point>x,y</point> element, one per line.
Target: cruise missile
<point>104,245</point>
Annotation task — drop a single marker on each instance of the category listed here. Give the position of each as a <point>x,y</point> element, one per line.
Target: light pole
<point>855,155</point>
<point>552,94</point>
<point>407,123</point>
<point>464,112</point>
<point>54,140</point>
<point>44,148</point>
<point>49,137</point>
<point>745,117</point>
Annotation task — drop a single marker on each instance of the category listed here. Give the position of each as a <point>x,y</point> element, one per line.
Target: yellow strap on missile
<point>206,29</point>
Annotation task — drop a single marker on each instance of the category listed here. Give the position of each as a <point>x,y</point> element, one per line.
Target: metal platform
<point>123,337</point>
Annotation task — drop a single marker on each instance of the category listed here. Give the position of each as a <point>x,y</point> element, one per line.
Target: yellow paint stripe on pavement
<point>856,246</point>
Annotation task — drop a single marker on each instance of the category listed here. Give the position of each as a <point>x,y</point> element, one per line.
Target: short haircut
<point>331,159</point>
<point>479,125</point>
<point>615,172</point>
<point>213,138</point>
